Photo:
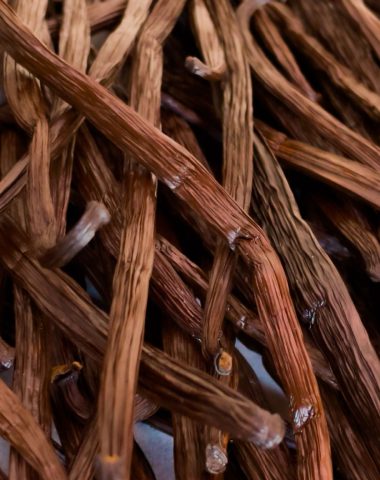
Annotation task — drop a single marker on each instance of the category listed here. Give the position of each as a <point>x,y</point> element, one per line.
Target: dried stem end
<point>223,363</point>
<point>216,459</point>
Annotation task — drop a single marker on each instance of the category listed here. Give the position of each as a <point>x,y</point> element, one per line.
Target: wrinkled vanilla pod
<point>350,221</point>
<point>321,297</point>
<point>352,177</point>
<point>274,42</point>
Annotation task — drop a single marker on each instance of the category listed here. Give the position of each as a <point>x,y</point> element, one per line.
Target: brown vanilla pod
<point>321,296</point>
<point>351,222</point>
<point>187,434</point>
<point>352,177</point>
<point>275,43</point>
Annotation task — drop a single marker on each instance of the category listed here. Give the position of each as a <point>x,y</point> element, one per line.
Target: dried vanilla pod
<point>325,307</point>
<point>94,217</point>
<point>32,355</point>
<point>352,177</point>
<point>275,43</point>
<point>187,434</point>
<point>228,60</point>
<point>353,225</point>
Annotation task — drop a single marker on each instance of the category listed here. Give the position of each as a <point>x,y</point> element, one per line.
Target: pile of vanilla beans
<point>176,176</point>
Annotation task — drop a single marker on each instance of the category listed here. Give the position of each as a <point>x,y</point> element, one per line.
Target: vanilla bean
<point>353,225</point>
<point>321,296</point>
<point>237,161</point>
<point>71,408</point>
<point>94,217</point>
<point>274,42</point>
<point>18,426</point>
<point>32,359</point>
<point>215,66</point>
<point>187,434</point>
<point>350,176</point>
<point>27,102</point>
<point>74,47</point>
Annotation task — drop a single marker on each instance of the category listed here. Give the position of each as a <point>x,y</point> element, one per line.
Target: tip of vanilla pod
<point>223,363</point>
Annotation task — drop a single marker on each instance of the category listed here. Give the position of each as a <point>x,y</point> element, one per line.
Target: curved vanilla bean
<point>352,177</point>
<point>74,47</point>
<point>215,66</point>
<point>343,138</point>
<point>202,193</point>
<point>71,409</point>
<point>31,373</point>
<point>127,318</point>
<point>353,225</point>
<point>274,42</point>
<point>237,114</point>
<point>321,296</point>
<point>18,426</point>
<point>28,105</point>
<point>119,42</point>
<point>135,259</point>
<point>65,381</point>
<point>340,75</point>
<point>95,217</point>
